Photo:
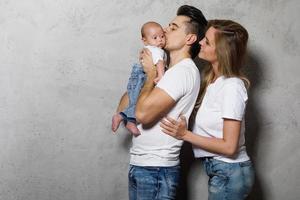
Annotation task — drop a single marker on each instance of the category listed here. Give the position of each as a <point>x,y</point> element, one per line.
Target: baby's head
<point>153,34</point>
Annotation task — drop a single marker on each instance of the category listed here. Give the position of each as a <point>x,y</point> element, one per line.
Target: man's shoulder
<point>186,62</point>
<point>186,66</point>
<point>183,72</point>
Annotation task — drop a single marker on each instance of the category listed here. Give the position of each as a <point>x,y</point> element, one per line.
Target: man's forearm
<point>141,105</point>
<point>146,90</point>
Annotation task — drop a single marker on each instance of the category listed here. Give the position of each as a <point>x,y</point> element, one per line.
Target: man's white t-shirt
<point>153,147</point>
<point>225,98</point>
<point>157,53</point>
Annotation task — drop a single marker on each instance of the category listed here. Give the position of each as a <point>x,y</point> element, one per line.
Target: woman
<point>218,131</point>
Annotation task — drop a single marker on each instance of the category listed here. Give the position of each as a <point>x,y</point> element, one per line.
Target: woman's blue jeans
<point>153,183</point>
<point>228,181</point>
<point>136,81</point>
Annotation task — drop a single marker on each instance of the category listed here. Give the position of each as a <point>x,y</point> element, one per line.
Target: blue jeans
<point>153,183</point>
<point>228,181</point>
<point>134,86</point>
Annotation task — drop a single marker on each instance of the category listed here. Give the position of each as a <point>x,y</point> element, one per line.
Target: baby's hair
<point>147,25</point>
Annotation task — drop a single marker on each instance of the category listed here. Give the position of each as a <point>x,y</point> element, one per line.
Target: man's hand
<point>147,62</point>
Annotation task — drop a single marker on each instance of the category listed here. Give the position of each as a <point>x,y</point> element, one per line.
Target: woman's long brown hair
<point>231,45</point>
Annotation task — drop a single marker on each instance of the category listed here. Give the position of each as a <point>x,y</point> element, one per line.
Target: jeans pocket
<point>248,174</point>
<point>218,172</point>
<point>217,182</point>
<point>172,180</point>
<point>130,172</point>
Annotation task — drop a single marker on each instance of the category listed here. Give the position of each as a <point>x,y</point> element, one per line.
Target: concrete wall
<point>64,65</point>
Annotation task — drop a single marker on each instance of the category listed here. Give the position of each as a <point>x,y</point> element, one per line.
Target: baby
<point>153,38</point>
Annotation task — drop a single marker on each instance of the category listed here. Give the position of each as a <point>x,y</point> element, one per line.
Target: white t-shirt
<point>225,98</point>
<point>153,147</point>
<point>157,53</point>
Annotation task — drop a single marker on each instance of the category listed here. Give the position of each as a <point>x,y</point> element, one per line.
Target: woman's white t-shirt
<point>225,98</point>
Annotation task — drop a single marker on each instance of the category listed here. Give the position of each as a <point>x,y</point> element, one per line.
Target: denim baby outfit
<point>136,81</point>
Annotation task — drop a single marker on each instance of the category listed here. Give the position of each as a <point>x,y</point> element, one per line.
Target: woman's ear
<point>191,39</point>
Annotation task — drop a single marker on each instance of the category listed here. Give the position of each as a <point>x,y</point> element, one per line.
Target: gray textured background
<point>65,63</point>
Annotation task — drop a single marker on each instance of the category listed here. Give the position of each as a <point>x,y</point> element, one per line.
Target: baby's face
<point>155,36</point>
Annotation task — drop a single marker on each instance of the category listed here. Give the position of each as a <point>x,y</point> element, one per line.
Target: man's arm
<point>153,103</point>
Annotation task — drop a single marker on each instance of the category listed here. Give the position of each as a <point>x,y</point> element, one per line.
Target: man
<point>154,162</point>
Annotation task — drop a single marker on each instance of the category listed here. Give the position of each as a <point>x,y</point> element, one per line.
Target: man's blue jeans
<point>136,81</point>
<point>153,183</point>
<point>228,181</point>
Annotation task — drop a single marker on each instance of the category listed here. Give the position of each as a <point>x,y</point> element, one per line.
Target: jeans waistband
<point>207,158</point>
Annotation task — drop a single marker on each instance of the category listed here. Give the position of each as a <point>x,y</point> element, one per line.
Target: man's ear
<point>191,39</point>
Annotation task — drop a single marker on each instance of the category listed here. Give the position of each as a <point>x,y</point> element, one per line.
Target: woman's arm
<point>227,145</point>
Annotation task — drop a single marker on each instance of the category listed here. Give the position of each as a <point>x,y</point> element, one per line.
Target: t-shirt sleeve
<point>234,101</point>
<point>174,83</point>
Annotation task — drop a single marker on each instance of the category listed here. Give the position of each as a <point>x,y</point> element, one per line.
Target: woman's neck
<point>217,74</point>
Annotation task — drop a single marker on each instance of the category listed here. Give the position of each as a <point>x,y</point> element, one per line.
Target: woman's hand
<point>147,62</point>
<point>177,129</point>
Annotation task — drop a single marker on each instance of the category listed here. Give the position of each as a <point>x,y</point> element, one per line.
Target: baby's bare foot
<point>133,129</point>
<point>116,120</point>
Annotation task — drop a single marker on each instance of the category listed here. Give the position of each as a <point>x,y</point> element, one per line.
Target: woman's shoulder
<point>235,85</point>
<point>234,82</point>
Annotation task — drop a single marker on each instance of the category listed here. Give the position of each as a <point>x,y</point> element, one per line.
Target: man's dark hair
<point>196,25</point>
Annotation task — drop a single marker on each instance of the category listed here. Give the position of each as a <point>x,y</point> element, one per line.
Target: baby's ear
<point>143,40</point>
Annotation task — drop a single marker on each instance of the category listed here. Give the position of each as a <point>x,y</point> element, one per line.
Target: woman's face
<point>208,46</point>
